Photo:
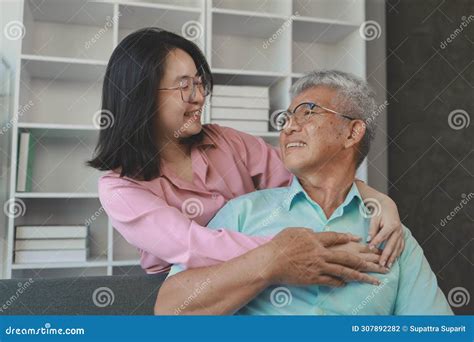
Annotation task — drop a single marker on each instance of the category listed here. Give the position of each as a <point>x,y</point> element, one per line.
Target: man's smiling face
<point>309,146</point>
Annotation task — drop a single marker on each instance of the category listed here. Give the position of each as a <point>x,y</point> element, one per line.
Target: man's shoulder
<point>264,197</point>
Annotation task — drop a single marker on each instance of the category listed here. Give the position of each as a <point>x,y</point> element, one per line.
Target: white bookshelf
<point>61,70</point>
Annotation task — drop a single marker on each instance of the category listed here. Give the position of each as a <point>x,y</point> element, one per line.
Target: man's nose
<point>292,125</point>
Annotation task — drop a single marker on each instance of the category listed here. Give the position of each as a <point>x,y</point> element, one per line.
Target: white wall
<point>10,10</point>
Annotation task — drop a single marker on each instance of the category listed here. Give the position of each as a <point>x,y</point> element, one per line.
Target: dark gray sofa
<point>106,295</point>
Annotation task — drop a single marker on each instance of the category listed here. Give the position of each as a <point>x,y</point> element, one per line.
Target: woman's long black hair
<point>127,139</point>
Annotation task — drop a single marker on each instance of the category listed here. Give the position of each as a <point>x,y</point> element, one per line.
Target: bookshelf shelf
<point>63,69</point>
<point>62,61</point>
<point>276,8</point>
<point>59,130</point>
<point>93,263</point>
<point>183,6</point>
<point>62,195</point>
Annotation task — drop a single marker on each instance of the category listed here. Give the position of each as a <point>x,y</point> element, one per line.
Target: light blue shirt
<point>410,288</point>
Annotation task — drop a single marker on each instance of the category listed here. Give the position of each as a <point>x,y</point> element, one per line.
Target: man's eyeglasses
<point>188,85</point>
<point>302,114</point>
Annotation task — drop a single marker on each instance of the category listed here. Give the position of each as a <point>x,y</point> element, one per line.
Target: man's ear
<point>356,133</point>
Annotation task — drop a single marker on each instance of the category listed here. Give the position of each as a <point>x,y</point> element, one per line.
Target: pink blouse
<point>166,218</point>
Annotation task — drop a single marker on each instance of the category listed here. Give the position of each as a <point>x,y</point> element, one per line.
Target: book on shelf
<point>52,232</point>
<point>245,108</point>
<point>40,244</point>
<point>51,255</point>
<point>240,91</point>
<point>240,102</point>
<point>222,113</point>
<point>244,125</point>
<point>25,162</point>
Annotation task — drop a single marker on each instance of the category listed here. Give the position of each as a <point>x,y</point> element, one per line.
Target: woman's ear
<point>356,133</point>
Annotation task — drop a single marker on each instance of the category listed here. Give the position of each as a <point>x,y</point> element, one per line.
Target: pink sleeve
<point>262,160</point>
<point>150,224</point>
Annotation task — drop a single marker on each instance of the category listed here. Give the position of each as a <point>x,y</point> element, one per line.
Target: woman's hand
<point>385,224</point>
<point>370,255</point>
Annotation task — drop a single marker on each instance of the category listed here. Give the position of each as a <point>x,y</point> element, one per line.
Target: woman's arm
<point>151,225</point>
<point>310,258</point>
<point>267,170</point>
<point>385,224</point>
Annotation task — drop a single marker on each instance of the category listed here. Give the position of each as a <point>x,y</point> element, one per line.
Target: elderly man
<point>325,136</point>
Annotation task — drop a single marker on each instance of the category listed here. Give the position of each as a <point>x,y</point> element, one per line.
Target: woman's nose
<point>198,97</point>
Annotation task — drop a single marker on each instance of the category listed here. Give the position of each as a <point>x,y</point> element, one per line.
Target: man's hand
<point>370,255</point>
<point>303,257</point>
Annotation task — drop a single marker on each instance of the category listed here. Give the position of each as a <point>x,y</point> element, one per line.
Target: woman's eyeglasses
<point>302,114</point>
<point>188,85</point>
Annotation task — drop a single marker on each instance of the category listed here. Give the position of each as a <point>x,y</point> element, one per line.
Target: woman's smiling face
<point>179,119</point>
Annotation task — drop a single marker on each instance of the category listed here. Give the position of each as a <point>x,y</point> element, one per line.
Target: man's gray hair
<point>355,99</point>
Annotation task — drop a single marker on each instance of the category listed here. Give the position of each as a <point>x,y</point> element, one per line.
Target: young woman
<point>168,174</point>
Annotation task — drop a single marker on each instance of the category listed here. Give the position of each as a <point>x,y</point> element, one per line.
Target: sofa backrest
<point>106,295</point>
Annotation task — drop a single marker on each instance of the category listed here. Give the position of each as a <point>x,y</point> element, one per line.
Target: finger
<point>371,250</point>
<point>361,248</point>
<point>333,238</point>
<point>375,267</point>
<point>374,227</point>
<point>390,246</point>
<point>381,236</point>
<point>345,259</point>
<point>326,280</point>
<point>370,257</point>
<point>348,274</point>
<point>396,253</point>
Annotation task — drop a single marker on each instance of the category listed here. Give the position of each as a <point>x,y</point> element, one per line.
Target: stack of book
<point>45,244</point>
<point>245,108</point>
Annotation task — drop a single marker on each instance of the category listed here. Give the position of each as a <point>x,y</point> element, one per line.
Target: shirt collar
<point>295,190</point>
<point>207,140</point>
